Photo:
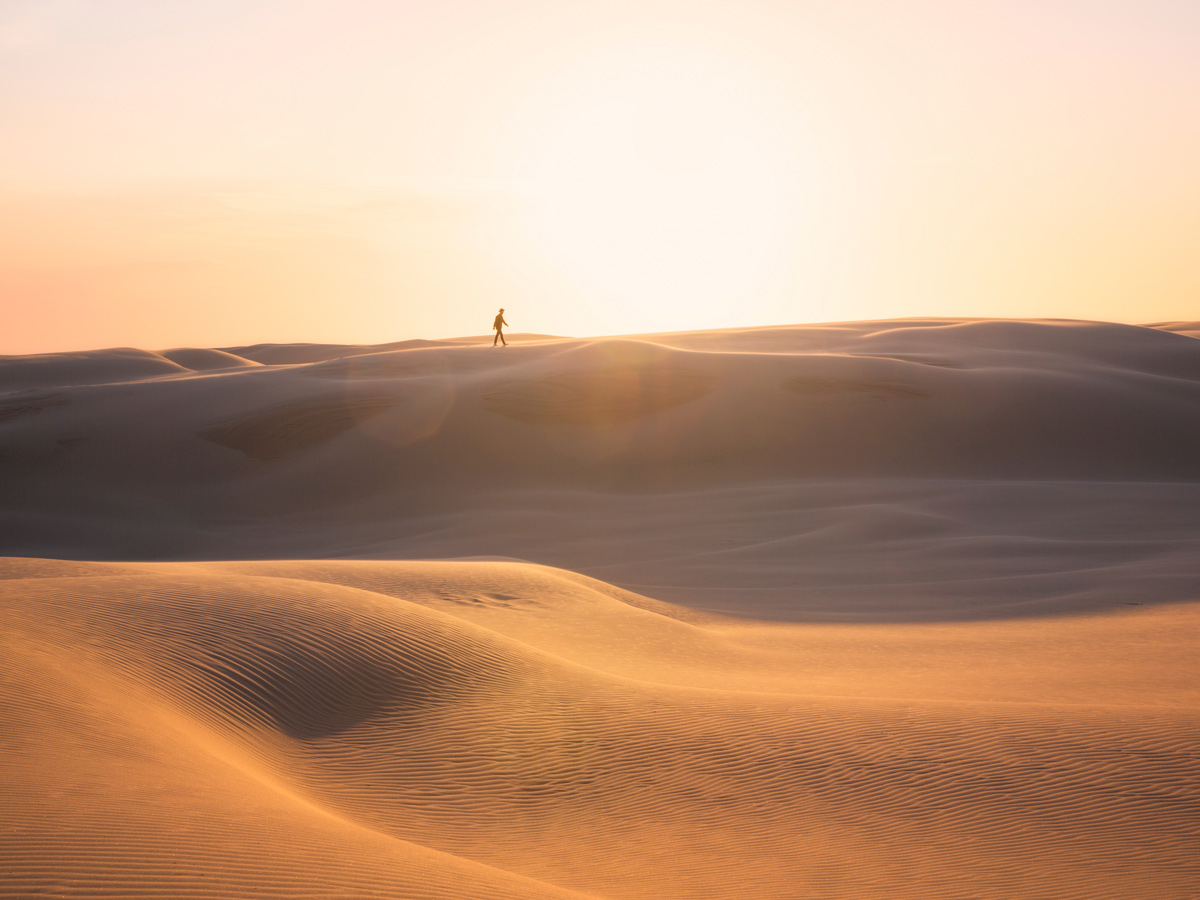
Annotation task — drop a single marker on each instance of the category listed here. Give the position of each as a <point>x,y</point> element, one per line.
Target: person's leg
<point>496,338</point>
<point>502,340</point>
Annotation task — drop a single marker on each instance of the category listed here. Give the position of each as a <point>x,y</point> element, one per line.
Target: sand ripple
<point>222,731</point>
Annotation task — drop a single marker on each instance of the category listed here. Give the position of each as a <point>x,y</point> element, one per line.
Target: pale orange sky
<point>220,173</point>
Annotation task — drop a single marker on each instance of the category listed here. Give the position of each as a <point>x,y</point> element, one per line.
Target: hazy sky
<point>234,171</point>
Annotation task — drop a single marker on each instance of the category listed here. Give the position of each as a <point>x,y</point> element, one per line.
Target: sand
<point>857,610</point>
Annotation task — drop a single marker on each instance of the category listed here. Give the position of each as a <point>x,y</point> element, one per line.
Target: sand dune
<point>901,468</point>
<point>466,729</point>
<point>203,360</point>
<point>856,610</point>
<point>1192,329</point>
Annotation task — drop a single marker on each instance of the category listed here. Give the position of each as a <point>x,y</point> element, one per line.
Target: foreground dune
<point>507,730</point>
<point>874,609</point>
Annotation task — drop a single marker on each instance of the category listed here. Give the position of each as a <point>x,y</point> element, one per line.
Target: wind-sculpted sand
<point>503,729</point>
<point>867,610</point>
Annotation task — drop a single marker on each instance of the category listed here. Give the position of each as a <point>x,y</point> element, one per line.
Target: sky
<point>229,172</point>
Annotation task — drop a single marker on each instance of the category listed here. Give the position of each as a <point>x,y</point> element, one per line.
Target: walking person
<point>498,324</point>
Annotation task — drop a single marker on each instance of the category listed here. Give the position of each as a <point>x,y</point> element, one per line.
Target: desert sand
<point>859,610</point>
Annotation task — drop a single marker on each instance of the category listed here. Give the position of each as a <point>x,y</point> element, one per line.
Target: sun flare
<point>661,182</point>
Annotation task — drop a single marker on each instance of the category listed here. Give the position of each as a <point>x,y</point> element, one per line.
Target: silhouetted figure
<point>498,324</point>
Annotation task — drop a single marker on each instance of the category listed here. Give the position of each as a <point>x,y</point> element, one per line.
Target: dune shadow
<point>278,432</point>
<point>311,691</point>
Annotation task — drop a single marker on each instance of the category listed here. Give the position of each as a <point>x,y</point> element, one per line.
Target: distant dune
<point>860,610</point>
<point>831,471</point>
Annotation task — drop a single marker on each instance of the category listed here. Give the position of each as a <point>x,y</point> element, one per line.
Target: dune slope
<point>466,730</point>
<point>909,469</point>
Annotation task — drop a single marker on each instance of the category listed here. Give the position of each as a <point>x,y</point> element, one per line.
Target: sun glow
<point>661,183</point>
